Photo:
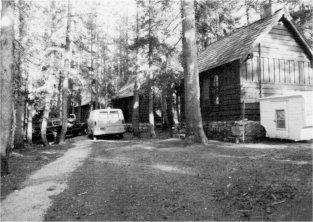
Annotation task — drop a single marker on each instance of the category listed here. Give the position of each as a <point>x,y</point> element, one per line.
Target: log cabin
<point>266,58</point>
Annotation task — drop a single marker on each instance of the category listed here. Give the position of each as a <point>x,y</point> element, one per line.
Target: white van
<point>106,122</point>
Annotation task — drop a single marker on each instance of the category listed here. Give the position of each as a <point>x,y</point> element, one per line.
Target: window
<point>280,119</point>
<point>103,115</point>
<point>214,99</point>
<point>205,94</point>
<point>114,116</point>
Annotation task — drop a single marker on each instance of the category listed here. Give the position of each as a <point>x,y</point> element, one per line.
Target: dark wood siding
<point>228,107</point>
<point>281,65</point>
<point>126,105</point>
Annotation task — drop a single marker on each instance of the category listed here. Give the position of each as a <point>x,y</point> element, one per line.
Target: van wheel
<point>93,137</point>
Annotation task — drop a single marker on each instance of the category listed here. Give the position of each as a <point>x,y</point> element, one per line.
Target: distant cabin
<point>269,57</point>
<point>124,100</point>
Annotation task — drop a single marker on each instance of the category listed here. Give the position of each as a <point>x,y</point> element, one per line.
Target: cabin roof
<point>240,43</point>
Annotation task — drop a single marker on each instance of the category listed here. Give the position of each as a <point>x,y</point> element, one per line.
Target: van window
<point>114,116</point>
<point>103,115</point>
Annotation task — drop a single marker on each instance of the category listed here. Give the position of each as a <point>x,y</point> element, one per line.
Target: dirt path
<point>163,180</point>
<point>31,202</point>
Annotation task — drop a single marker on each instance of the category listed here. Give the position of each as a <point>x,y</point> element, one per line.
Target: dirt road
<point>163,180</point>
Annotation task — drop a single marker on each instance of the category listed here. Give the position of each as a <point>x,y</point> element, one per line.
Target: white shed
<point>288,116</point>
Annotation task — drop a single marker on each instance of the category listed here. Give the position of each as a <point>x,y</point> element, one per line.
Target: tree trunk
<point>6,72</point>
<point>44,122</point>
<point>150,53</point>
<point>177,107</point>
<point>19,130</point>
<point>135,117</point>
<point>29,123</point>
<point>151,114</point>
<point>170,106</point>
<point>174,108</point>
<point>59,99</point>
<point>79,106</point>
<point>164,111</point>
<point>194,127</point>
<point>19,103</point>
<point>67,64</point>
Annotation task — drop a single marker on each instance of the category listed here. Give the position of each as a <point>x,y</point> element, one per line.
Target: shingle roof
<point>237,44</point>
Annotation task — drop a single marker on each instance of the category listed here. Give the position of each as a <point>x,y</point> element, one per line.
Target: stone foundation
<point>143,127</point>
<point>230,131</point>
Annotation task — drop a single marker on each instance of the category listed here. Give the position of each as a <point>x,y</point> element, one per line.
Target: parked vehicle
<point>106,122</point>
<point>75,128</point>
<point>54,128</point>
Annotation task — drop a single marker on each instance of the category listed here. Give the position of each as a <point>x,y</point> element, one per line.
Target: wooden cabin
<point>87,103</point>
<point>266,58</point>
<point>124,101</point>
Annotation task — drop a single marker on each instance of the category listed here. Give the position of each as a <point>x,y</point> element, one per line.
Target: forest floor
<point>159,179</point>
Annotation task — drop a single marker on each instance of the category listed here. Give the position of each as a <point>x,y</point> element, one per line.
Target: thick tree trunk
<point>44,122</point>
<point>67,63</point>
<point>29,123</point>
<point>20,101</point>
<point>6,72</point>
<point>194,127</point>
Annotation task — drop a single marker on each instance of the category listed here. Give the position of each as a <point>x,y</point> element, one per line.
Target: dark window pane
<point>280,119</point>
<point>281,124</point>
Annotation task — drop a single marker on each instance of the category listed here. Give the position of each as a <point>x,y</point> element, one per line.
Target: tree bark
<point>29,123</point>
<point>194,126</point>
<point>6,72</point>
<point>44,122</point>
<point>20,101</point>
<point>67,64</point>
<point>135,116</point>
<point>150,53</point>
<point>19,130</point>
<point>177,107</point>
<point>79,106</point>
<point>165,113</point>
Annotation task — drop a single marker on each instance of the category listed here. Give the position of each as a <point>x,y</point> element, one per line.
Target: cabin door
<point>279,117</point>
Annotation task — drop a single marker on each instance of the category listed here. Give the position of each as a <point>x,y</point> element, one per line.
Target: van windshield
<point>103,115</point>
<point>114,116</point>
